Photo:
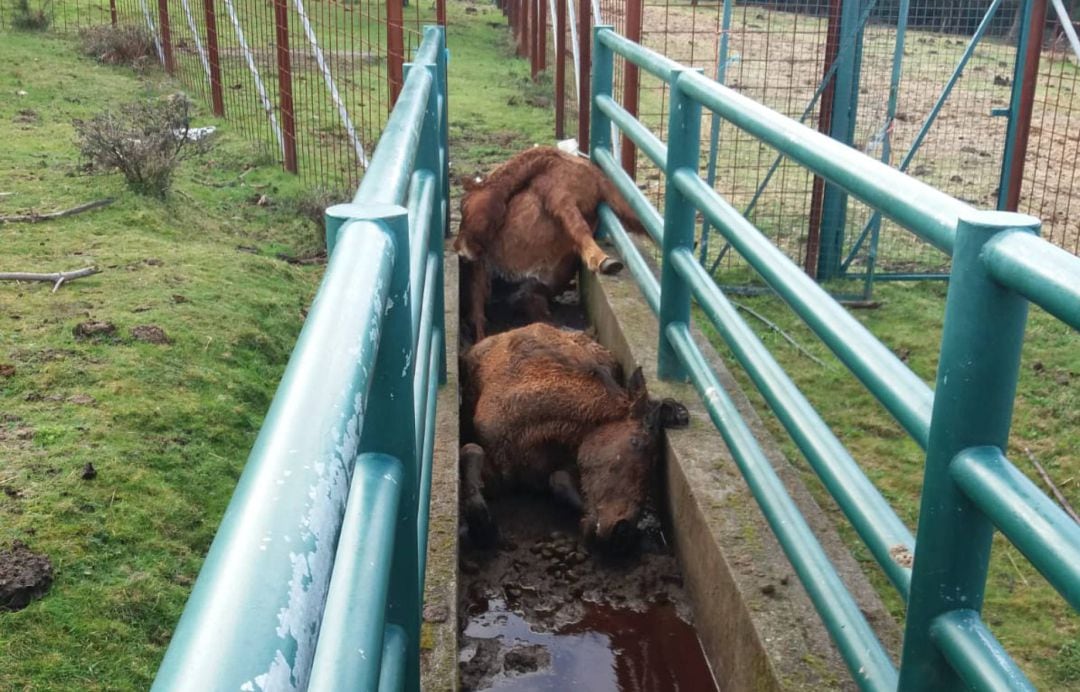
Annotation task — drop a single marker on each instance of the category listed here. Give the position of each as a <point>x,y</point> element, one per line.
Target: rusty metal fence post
<point>631,84</point>
<point>395,48</point>
<point>1025,79</point>
<point>534,34</point>
<point>166,36</point>
<point>560,69</point>
<point>541,34</point>
<point>285,90</point>
<point>585,53</point>
<point>217,96</point>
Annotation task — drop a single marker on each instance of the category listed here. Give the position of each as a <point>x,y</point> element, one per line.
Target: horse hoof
<point>610,266</point>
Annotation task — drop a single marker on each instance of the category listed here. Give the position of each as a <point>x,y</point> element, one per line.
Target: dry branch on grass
<point>58,279</point>
<point>1062,500</point>
<point>34,217</point>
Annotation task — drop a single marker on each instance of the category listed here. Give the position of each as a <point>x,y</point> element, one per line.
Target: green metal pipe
<point>603,82</point>
<point>387,179</point>
<point>422,351</point>
<point>1040,271</point>
<point>867,660</point>
<point>652,62</point>
<point>390,428</point>
<point>680,218</point>
<point>975,653</point>
<point>1043,532</point>
<point>976,385</point>
<point>901,391</point>
<point>646,212</point>
<point>926,211</point>
<point>259,595</point>
<point>640,135</point>
<point>349,650</point>
<point>639,269</point>
<point>396,646</point>
<point>427,453</point>
<point>876,523</point>
<point>421,208</point>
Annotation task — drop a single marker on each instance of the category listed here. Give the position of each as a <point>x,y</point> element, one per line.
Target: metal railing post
<point>684,147</point>
<point>390,428</point>
<point>973,402</point>
<point>603,77</point>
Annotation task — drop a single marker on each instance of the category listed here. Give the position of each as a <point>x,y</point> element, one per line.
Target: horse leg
<point>562,206</point>
<point>478,282</point>
<point>478,517</point>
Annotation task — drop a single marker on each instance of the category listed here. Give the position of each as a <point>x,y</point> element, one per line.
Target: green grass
<point>167,427</point>
<point>1035,624</point>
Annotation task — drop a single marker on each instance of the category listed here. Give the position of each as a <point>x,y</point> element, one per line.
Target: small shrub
<point>26,18</point>
<point>119,45</point>
<point>145,140</point>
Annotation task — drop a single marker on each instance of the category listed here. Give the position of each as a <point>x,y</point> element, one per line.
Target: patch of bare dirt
<point>151,334</point>
<point>94,329</point>
<point>24,576</point>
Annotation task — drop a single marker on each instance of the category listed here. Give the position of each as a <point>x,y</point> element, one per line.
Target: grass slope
<point>167,427</point>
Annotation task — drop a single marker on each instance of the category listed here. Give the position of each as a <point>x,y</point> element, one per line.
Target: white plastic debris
<point>195,134</point>
<point>570,146</point>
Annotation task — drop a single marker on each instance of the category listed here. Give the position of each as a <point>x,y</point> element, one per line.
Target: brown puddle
<point>610,650</point>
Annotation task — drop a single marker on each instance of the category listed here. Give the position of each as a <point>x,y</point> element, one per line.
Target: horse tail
<point>618,204</point>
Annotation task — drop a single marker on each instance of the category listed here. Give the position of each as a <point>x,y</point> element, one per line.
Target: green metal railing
<point>970,488</point>
<point>315,577</point>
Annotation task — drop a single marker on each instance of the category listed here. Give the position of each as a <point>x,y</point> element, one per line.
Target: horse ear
<point>639,398</point>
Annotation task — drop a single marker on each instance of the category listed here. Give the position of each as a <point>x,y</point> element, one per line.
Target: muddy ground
<point>540,612</point>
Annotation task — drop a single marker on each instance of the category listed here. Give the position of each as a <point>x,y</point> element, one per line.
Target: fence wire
<point>338,61</point>
<point>951,93</point>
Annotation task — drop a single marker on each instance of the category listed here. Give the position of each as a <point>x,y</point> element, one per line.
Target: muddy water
<point>541,612</point>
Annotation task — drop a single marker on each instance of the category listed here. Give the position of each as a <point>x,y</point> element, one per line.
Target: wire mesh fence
<point>312,82</point>
<point>929,89</point>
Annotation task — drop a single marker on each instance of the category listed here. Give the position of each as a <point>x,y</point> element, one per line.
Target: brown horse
<point>530,223</point>
<point>548,412</point>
